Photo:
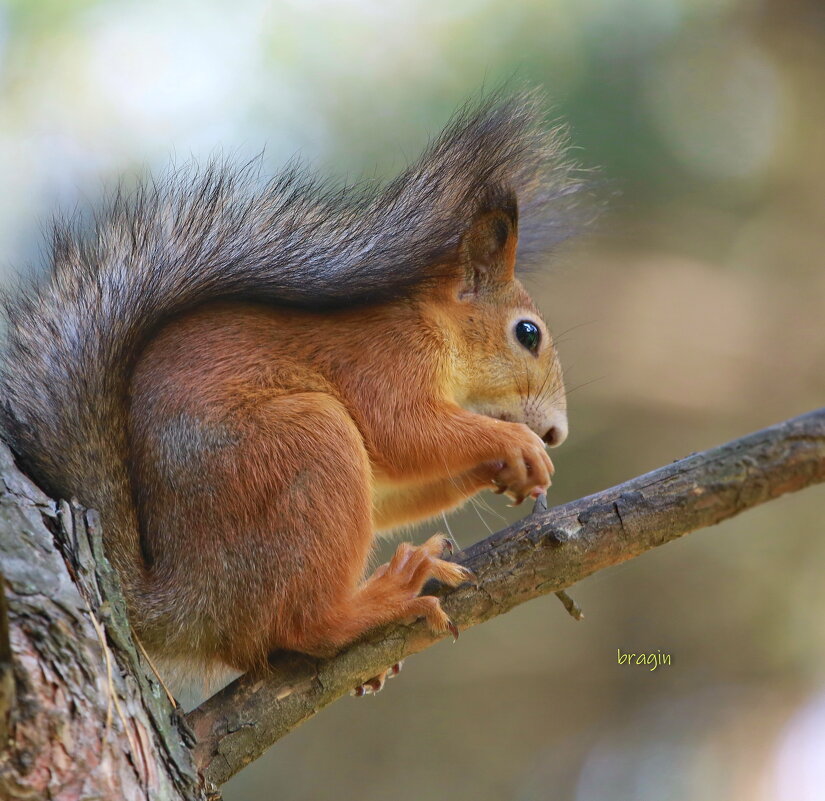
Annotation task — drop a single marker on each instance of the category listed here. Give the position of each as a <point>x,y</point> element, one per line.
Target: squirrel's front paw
<point>527,467</point>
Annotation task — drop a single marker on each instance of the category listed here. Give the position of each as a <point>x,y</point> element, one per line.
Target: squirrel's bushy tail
<point>200,236</point>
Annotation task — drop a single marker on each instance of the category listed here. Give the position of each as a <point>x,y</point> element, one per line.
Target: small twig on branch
<point>544,553</point>
<point>573,609</point>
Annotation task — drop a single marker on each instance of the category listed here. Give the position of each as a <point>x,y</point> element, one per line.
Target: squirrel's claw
<point>469,576</point>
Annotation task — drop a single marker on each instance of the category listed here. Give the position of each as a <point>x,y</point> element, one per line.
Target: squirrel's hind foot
<point>376,683</point>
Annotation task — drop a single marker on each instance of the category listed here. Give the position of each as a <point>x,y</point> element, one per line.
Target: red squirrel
<point>248,381</point>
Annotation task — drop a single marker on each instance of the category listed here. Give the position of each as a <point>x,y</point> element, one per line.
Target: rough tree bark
<point>82,716</point>
<point>87,719</point>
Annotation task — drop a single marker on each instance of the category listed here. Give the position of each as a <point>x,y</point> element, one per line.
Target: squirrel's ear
<point>487,252</point>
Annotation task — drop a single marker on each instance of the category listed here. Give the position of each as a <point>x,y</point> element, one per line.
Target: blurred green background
<point>693,315</point>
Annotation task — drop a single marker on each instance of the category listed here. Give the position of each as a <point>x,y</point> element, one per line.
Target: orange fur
<point>268,444</point>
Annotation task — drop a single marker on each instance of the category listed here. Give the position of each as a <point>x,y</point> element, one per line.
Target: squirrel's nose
<point>557,433</point>
<point>554,436</point>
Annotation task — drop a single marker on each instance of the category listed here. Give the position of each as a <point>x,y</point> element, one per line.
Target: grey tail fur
<point>218,233</point>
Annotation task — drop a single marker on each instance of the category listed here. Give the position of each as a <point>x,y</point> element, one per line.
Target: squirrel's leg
<point>413,563</point>
<point>390,594</point>
<point>306,530</point>
<point>452,440</point>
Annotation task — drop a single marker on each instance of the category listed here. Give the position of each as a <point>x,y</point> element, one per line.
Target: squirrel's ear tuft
<point>487,252</point>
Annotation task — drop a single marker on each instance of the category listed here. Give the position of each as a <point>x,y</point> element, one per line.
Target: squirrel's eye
<point>528,334</point>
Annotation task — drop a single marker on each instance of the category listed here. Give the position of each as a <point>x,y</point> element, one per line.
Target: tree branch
<point>85,716</point>
<point>544,553</point>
